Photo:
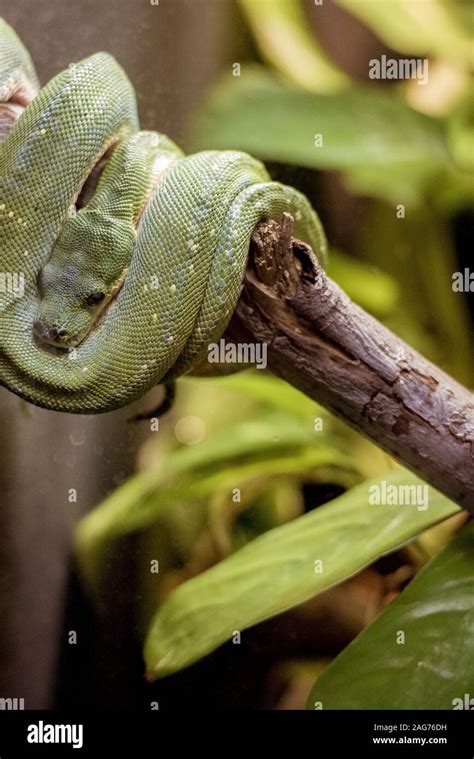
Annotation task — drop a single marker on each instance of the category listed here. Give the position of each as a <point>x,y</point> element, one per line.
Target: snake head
<point>86,270</point>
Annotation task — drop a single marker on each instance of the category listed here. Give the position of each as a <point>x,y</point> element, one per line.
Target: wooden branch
<point>321,342</point>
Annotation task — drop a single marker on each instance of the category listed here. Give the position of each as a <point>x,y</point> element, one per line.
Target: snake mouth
<point>56,336</point>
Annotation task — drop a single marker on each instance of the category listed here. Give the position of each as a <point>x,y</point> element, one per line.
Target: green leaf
<point>275,446</point>
<point>424,28</point>
<point>282,35</point>
<point>277,571</point>
<point>434,664</point>
<point>384,147</point>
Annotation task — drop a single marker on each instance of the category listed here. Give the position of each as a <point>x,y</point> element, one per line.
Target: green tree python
<point>126,288</point>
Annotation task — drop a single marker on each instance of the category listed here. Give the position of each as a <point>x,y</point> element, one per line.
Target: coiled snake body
<point>128,289</point>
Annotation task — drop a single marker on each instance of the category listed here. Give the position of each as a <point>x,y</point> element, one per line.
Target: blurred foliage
<point>385,148</point>
<point>282,568</point>
<point>434,28</point>
<point>418,654</point>
<point>383,143</point>
<point>286,42</point>
<point>276,443</point>
<point>223,487</point>
<point>371,288</point>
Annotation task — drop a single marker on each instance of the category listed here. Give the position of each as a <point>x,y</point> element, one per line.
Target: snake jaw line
<point>67,342</point>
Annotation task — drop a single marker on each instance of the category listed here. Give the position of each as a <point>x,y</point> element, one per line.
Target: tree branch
<point>321,342</point>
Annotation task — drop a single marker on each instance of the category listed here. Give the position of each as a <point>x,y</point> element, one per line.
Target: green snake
<point>127,284</point>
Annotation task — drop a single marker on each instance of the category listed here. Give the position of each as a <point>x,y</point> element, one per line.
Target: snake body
<point>127,290</point>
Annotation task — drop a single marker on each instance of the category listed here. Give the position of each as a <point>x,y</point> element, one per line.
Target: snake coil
<point>192,233</point>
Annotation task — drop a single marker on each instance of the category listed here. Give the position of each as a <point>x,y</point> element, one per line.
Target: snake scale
<point>127,288</point>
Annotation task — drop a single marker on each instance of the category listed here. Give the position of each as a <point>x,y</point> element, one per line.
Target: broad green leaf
<point>425,28</point>
<point>419,653</point>
<point>281,32</point>
<point>277,571</point>
<point>254,451</point>
<point>386,148</point>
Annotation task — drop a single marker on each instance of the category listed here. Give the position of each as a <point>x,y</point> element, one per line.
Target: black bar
<point>316,734</point>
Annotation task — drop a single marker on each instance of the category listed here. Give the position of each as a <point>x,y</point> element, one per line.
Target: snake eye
<point>95,298</point>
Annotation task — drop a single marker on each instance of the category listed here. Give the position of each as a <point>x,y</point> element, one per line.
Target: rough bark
<point>321,342</point>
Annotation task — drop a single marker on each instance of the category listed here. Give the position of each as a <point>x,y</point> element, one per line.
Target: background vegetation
<point>254,500</point>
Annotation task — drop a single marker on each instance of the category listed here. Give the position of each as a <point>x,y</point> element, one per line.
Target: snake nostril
<point>62,332</point>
